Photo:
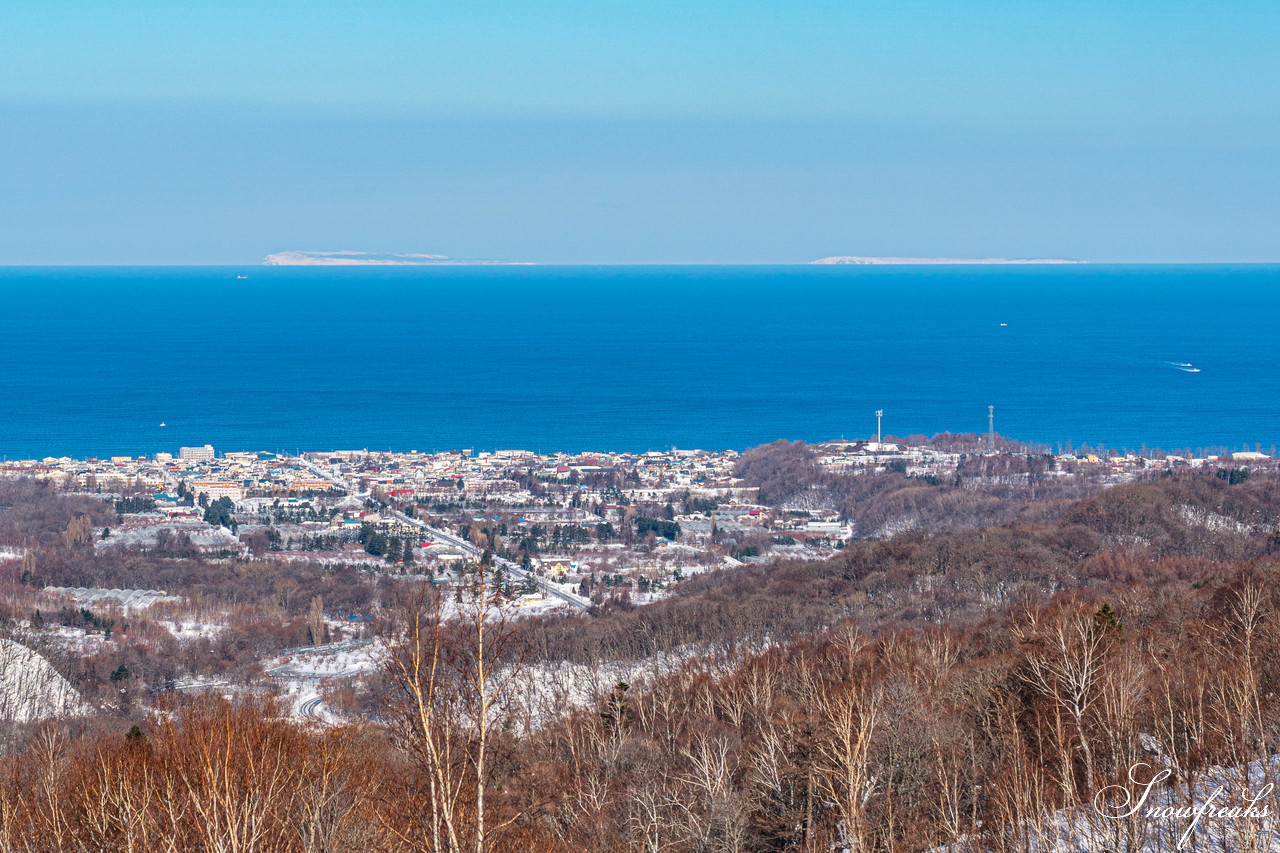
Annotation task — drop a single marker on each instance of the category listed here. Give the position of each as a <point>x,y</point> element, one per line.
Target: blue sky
<point>640,132</point>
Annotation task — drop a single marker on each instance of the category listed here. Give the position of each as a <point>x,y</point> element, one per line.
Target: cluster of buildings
<point>194,471</point>
<point>511,477</point>
<point>576,517</point>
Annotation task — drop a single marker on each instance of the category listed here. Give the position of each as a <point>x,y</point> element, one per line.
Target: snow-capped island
<point>851,259</point>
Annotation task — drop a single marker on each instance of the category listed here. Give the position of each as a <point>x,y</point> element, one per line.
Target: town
<point>557,530</point>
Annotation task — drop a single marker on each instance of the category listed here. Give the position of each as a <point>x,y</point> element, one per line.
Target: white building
<point>219,489</point>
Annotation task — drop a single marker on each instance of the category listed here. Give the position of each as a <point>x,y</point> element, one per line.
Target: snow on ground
<point>1212,521</point>
<point>540,691</point>
<point>299,673</point>
<point>200,534</point>
<point>333,660</point>
<point>537,604</point>
<point>347,558</point>
<point>185,629</point>
<point>548,690</point>
<point>78,641</point>
<point>305,703</point>
<point>199,685</point>
<point>68,637</point>
<point>31,689</point>
<point>1227,809</point>
<point>894,526</point>
<point>516,608</point>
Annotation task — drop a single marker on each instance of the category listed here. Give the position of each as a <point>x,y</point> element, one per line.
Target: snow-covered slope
<point>31,689</point>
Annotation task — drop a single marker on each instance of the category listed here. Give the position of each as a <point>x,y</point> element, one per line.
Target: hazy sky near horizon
<point>639,132</point>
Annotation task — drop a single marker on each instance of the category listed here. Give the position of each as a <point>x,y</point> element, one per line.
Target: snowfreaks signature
<point>1118,802</point>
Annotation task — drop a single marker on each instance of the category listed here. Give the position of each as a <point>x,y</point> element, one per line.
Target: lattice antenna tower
<point>879,415</point>
<point>991,429</point>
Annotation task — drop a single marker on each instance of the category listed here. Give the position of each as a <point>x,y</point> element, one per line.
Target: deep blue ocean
<point>93,360</point>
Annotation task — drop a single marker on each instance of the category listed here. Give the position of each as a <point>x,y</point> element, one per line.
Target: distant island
<point>356,259</point>
<point>850,259</point>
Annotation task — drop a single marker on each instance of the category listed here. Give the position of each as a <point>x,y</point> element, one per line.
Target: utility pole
<point>879,415</point>
<point>991,429</point>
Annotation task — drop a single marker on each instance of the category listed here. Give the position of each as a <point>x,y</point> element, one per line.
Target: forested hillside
<point>965,688</point>
<point>1184,529</point>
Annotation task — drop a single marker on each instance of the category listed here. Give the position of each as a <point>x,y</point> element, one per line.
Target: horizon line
<point>624,264</point>
<point>917,263</point>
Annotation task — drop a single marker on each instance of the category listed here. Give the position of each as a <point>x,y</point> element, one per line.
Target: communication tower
<point>879,415</point>
<point>991,429</point>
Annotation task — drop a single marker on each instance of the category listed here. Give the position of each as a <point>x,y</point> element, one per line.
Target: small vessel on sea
<point>162,423</point>
<point>242,276</point>
<point>1189,369</point>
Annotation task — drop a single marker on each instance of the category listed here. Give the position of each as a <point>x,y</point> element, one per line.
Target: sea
<point>99,361</point>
